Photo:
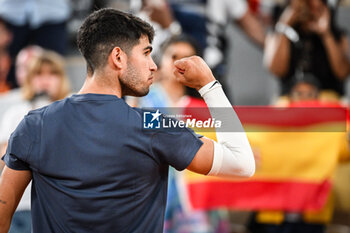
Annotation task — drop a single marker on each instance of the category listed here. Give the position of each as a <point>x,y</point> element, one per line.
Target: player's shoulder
<point>32,121</point>
<point>36,115</point>
<point>30,124</point>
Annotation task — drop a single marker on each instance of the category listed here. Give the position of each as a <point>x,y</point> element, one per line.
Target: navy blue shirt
<point>94,168</point>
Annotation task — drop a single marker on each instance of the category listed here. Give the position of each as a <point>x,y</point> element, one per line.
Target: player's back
<point>94,169</point>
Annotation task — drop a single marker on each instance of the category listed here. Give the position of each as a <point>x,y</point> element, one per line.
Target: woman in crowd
<point>306,39</point>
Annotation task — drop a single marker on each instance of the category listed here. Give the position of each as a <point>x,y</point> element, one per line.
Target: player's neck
<point>100,84</point>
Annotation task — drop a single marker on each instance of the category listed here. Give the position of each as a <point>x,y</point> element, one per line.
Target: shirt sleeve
<point>21,144</point>
<point>176,147</point>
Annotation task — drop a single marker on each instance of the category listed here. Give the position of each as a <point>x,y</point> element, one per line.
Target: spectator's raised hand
<point>158,11</point>
<point>295,12</point>
<point>321,25</point>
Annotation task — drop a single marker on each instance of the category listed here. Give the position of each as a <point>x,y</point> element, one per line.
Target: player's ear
<point>118,57</point>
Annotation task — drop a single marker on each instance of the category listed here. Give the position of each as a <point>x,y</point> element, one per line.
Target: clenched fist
<point>193,72</point>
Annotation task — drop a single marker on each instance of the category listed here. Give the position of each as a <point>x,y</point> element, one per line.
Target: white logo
<point>151,120</point>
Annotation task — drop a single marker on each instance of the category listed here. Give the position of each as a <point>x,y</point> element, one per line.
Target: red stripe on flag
<point>266,116</point>
<point>292,116</point>
<point>259,195</point>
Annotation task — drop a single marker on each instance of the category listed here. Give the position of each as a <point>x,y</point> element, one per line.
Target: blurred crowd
<point>302,44</point>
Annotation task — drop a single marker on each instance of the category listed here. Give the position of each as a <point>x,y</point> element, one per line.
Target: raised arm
<point>252,28</point>
<point>12,186</point>
<point>231,156</point>
<point>277,44</point>
<point>277,54</point>
<point>336,50</point>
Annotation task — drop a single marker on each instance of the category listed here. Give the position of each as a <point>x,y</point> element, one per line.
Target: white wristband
<point>288,31</point>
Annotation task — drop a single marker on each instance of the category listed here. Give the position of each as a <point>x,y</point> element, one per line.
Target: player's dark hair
<point>108,28</point>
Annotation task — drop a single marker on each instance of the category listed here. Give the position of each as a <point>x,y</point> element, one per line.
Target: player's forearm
<point>12,186</point>
<point>232,153</point>
<point>5,216</point>
<point>253,28</point>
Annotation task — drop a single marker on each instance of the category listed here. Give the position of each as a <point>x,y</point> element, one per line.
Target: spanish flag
<point>297,150</point>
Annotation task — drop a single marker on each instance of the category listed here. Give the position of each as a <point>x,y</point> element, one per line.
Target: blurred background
<point>264,52</point>
<point>250,82</point>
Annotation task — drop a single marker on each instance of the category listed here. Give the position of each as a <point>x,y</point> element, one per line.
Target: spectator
<point>305,88</point>
<point>5,40</point>
<point>13,97</point>
<point>35,22</point>
<point>45,82</point>
<point>23,60</point>
<point>307,39</point>
<point>5,35</point>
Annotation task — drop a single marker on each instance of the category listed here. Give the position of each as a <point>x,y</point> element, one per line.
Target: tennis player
<point>94,168</point>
